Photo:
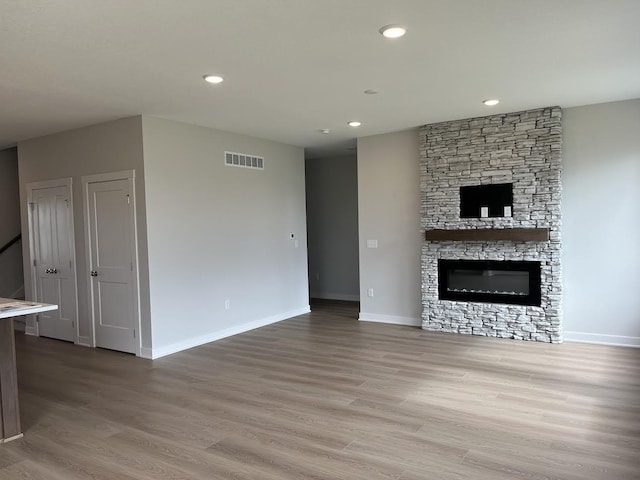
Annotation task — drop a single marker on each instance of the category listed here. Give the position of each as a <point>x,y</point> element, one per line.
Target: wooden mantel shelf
<point>489,235</point>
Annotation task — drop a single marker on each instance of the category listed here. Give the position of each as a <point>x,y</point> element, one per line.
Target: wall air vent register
<point>233,159</point>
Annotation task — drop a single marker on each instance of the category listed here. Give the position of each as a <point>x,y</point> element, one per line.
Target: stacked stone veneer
<point>522,148</point>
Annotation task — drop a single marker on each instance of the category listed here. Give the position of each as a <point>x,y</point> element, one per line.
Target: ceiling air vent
<point>233,159</point>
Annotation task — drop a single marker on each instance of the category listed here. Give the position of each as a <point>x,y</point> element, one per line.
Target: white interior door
<point>53,254</point>
<point>111,221</point>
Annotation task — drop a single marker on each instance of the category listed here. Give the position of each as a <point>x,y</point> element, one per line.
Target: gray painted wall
<point>601,258</point>
<point>332,227</point>
<point>103,148</point>
<point>220,233</point>
<point>11,278</point>
<point>389,212</point>
<point>601,226</point>
<point>9,195</point>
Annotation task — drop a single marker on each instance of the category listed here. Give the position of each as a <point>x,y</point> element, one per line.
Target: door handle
<point>54,270</point>
<point>94,273</point>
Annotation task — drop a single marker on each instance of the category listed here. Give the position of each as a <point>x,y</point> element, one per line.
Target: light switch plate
<point>372,243</point>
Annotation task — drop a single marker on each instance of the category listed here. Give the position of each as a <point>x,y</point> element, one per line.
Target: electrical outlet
<point>370,292</point>
<point>227,304</point>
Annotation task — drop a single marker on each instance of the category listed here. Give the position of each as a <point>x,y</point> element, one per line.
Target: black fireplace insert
<point>489,281</point>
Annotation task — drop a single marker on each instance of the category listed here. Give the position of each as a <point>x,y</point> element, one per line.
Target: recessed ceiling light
<point>393,31</point>
<point>213,79</point>
<point>354,123</point>
<point>491,102</point>
<point>325,131</point>
<point>370,91</point>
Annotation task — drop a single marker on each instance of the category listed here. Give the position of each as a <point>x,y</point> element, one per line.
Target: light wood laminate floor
<point>323,396</point>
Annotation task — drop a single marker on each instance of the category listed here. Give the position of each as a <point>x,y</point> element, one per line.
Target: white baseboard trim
<point>146,352</point>
<point>84,341</point>
<point>30,331</point>
<point>393,319</point>
<point>335,296</point>
<point>602,339</point>
<point>155,353</point>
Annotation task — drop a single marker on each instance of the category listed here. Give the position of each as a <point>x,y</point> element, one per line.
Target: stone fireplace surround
<point>523,148</point>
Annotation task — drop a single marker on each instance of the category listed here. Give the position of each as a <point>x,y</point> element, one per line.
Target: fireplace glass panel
<point>490,281</point>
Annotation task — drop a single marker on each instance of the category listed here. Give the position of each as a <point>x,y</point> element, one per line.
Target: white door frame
<point>129,175</point>
<point>60,182</point>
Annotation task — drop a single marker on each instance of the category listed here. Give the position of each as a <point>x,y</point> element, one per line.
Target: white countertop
<point>10,307</point>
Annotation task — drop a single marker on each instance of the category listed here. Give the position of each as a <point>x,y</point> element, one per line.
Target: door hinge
<point>128,199</point>
<point>131,264</point>
<point>34,262</point>
<point>73,324</point>
<point>37,318</point>
<point>32,206</point>
<point>134,333</point>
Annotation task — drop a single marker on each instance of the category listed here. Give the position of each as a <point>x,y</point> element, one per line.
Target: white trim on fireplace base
<point>602,339</point>
<point>393,319</point>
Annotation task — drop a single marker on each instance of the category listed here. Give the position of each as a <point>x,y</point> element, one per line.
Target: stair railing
<point>14,240</point>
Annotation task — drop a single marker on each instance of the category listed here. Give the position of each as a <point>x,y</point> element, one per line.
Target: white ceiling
<point>293,67</point>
